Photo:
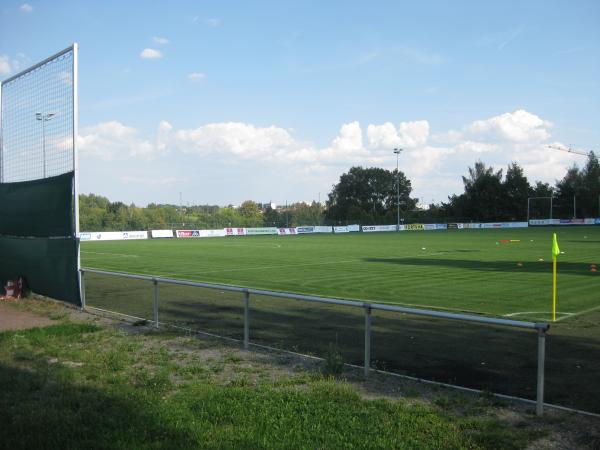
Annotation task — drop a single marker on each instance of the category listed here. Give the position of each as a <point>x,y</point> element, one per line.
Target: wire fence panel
<point>573,365</point>
<point>307,327</point>
<point>38,120</point>
<point>119,294</point>
<point>200,309</point>
<point>477,356</point>
<point>483,353</point>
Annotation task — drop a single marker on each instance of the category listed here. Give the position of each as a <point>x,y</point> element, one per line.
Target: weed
<point>333,362</point>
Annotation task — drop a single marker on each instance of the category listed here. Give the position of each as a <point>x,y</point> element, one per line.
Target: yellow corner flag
<point>555,253</point>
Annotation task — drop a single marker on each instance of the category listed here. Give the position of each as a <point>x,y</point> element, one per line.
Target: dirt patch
<point>12,318</point>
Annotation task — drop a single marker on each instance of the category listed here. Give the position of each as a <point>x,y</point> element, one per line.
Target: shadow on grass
<point>43,409</point>
<point>582,269</point>
<point>496,359</point>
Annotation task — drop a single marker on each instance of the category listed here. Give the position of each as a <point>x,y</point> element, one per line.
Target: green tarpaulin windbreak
<point>39,208</point>
<point>36,236</point>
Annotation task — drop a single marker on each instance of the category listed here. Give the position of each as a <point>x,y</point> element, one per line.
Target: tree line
<point>369,196</point>
<point>97,213</point>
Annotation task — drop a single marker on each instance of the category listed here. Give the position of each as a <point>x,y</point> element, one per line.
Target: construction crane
<point>569,150</point>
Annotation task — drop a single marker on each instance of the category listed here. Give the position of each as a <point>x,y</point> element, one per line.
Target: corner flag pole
<point>555,253</point>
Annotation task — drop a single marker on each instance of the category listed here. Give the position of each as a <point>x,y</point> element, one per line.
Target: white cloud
<point>435,167</point>
<point>10,65</point>
<point>407,135</point>
<point>213,22</point>
<point>474,147</point>
<point>150,53</point>
<point>196,76</point>
<point>519,126</point>
<point>113,140</point>
<point>26,8</point>
<point>150,181</point>
<point>349,138</point>
<point>5,65</point>
<point>160,40</point>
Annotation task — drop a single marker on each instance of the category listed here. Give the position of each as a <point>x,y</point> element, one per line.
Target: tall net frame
<point>39,125</point>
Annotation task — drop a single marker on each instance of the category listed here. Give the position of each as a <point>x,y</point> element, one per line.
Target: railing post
<point>367,339</point>
<point>539,407</point>
<point>246,320</point>
<point>82,287</point>
<point>155,301</point>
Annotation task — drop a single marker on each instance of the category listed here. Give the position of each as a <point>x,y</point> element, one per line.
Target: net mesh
<point>37,121</point>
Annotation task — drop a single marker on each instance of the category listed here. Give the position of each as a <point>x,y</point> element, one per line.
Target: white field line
<point>566,314</point>
<point>585,311</point>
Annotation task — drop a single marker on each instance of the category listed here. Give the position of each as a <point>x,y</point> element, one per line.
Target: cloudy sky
<point>273,100</point>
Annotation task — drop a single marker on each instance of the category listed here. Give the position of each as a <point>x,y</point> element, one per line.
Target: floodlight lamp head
<point>38,116</point>
<point>397,151</point>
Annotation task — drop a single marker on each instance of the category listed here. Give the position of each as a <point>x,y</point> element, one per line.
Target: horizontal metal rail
<point>334,301</point>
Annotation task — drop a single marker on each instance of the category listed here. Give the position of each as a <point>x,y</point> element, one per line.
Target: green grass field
<point>465,270</point>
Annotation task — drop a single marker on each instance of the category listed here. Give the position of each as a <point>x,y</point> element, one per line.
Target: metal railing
<point>540,327</point>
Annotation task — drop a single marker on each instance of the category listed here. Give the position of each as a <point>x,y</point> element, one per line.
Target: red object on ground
<point>15,288</point>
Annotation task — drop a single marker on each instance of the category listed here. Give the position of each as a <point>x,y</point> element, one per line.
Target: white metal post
<point>246,320</point>
<point>367,363</point>
<point>539,407</point>
<point>76,166</point>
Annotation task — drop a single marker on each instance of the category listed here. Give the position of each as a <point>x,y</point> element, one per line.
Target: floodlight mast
<point>397,152</point>
<point>44,117</point>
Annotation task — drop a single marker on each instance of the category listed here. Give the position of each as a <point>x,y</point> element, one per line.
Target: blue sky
<point>272,101</point>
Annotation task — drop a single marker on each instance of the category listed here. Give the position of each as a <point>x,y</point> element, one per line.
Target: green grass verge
<point>81,386</point>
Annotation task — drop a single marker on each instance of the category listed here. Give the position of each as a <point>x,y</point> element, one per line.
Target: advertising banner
<point>341,230</point>
<point>441,226</point>
<point>305,230</point>
<point>540,222</point>
<point>113,235</point>
<point>414,227</point>
<point>286,231</point>
<point>429,226</point>
<point>572,222</point>
<point>235,231</point>
<point>200,233</point>
<point>353,228</point>
<point>494,225</point>
<point>378,228</point>
<point>452,226</point>
<point>212,233</point>
<point>261,231</point>
<point>322,229</point>
<point>187,233</point>
<point>161,234</point>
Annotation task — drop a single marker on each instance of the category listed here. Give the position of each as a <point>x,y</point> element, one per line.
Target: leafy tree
<point>568,189</point>
<point>271,217</point>
<point>366,195</point>
<point>305,214</point>
<point>483,192</point>
<point>251,214</point>
<point>516,192</point>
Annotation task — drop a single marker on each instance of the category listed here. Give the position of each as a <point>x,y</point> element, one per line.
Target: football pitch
<point>504,272</point>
